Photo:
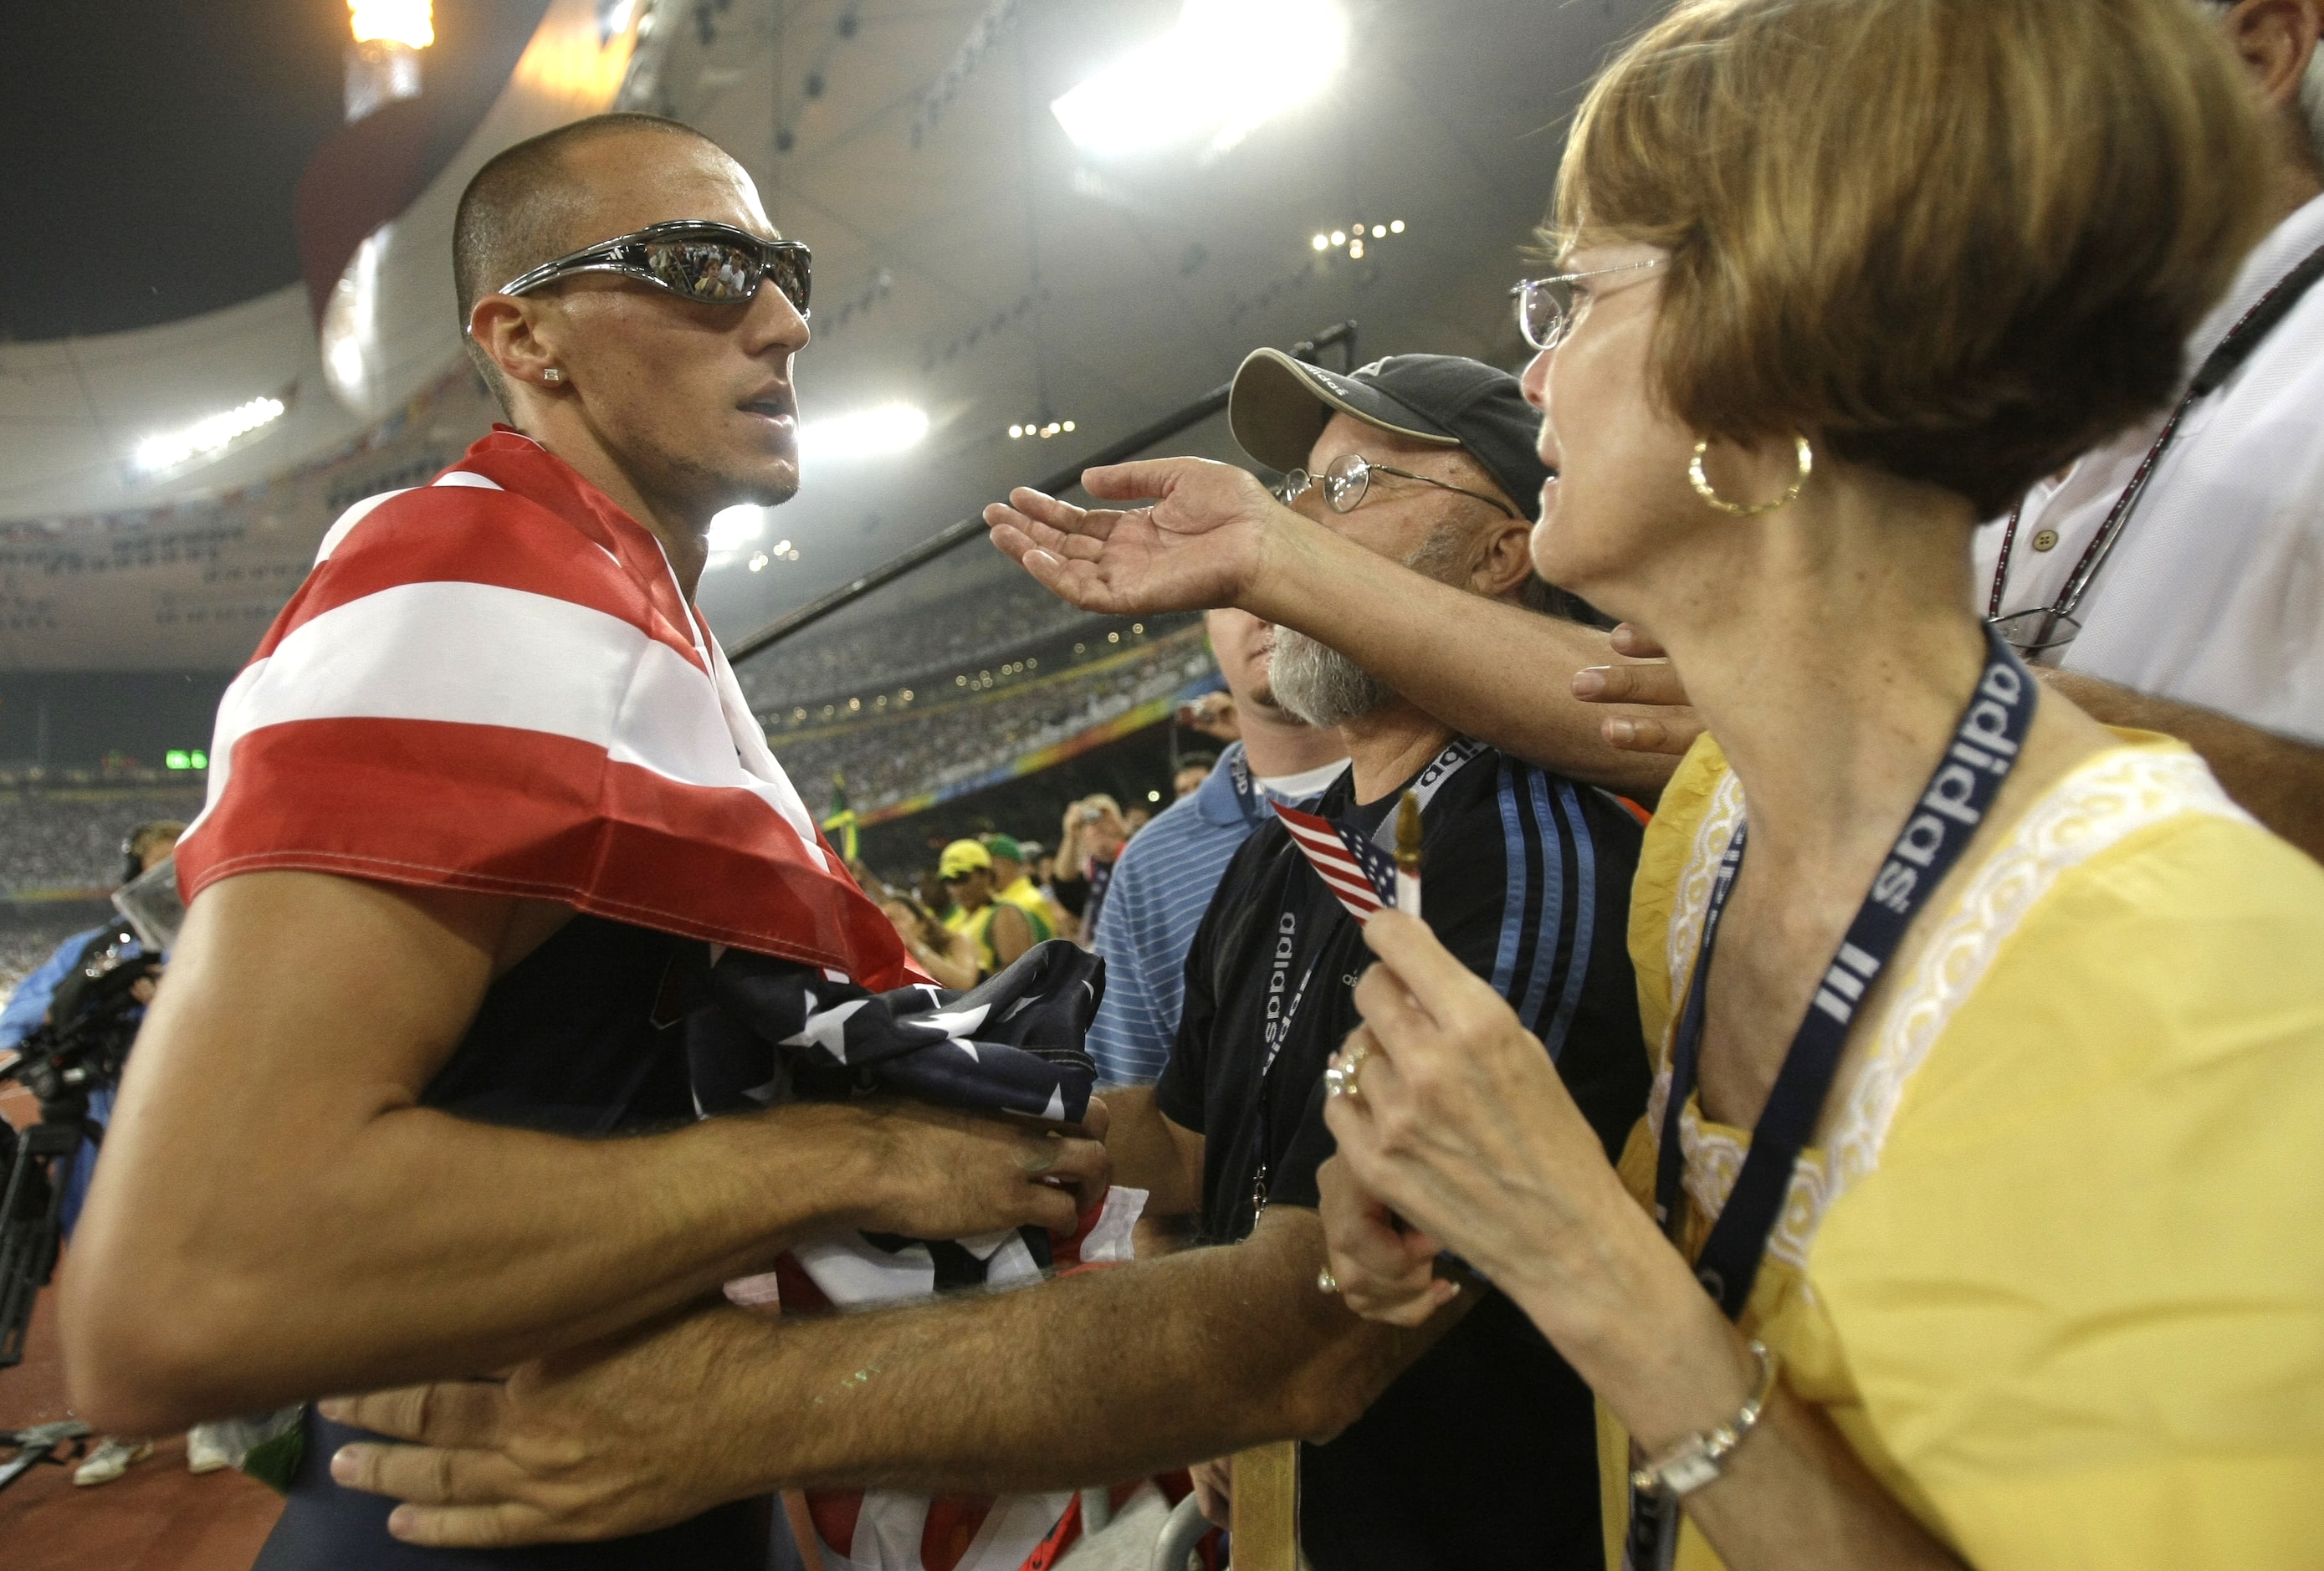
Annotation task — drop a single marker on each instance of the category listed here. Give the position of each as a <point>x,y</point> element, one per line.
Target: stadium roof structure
<point>973,261</point>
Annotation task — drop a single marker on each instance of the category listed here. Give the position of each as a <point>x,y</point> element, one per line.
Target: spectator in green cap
<point>1013,884</point>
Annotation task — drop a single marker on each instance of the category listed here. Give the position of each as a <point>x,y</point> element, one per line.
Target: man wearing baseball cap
<point>1467,424</point>
<point>1001,930</point>
<point>1441,404</point>
<point>1013,884</point>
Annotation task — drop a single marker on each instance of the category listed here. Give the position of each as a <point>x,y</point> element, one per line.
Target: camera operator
<point>147,846</point>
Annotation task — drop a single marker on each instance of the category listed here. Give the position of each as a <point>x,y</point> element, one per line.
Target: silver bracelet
<point>1702,1457</point>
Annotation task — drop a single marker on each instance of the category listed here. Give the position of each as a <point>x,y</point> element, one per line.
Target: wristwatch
<point>1702,1457</point>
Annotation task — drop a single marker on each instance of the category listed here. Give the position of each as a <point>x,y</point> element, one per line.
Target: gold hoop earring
<point>1702,487</point>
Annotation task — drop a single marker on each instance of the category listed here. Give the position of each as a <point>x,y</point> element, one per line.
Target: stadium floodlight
<point>409,22</point>
<point>890,428</point>
<point>208,437</point>
<point>733,527</point>
<point>1228,67</point>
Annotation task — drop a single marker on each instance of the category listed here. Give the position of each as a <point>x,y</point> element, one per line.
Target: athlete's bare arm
<point>1105,1375</point>
<point>276,1217</point>
<point>1153,1153</point>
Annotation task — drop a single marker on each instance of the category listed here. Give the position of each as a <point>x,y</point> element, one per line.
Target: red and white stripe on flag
<point>1357,871</point>
<point>493,683</point>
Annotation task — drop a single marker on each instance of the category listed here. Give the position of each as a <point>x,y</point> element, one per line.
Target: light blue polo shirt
<point>1162,884</point>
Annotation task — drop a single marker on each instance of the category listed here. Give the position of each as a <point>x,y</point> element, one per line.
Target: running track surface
<point>158,1517</point>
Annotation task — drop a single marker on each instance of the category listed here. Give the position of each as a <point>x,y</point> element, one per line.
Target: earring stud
<point>552,374</point>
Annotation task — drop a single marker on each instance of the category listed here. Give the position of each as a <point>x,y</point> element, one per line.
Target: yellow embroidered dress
<point>2057,1272</point>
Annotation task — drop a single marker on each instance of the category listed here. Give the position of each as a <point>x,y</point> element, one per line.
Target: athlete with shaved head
<point>485,801</point>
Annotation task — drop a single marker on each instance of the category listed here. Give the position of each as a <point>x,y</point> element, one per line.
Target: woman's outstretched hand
<point>1200,544</point>
<point>1458,1123</point>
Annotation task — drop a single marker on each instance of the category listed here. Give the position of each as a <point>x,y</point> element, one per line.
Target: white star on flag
<point>954,1023</point>
<point>826,1030</point>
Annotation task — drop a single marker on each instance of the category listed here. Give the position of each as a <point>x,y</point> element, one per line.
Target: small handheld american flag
<point>1360,873</point>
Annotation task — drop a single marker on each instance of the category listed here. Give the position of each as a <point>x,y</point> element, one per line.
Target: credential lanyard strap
<point>1427,783</point>
<point>2241,341</point>
<point>1985,747</point>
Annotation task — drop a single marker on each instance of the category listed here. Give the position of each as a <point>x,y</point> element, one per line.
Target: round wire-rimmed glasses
<point>1348,478</point>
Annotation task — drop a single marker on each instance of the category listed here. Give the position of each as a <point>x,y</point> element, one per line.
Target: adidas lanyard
<point>1958,795</point>
<point>1425,785</point>
<point>2242,341</point>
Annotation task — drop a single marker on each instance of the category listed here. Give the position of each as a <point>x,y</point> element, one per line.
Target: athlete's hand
<point>594,1443</point>
<point>934,1173</point>
<point>1661,719</point>
<point>1202,543</point>
<point>1384,1273</point>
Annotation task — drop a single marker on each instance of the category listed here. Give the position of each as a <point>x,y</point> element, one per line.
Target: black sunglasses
<point>693,258</point>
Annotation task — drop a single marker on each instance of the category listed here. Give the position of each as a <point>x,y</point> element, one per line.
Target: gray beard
<point>1319,684</point>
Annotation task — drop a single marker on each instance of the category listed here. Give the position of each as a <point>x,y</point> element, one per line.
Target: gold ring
<point>1327,1282</point>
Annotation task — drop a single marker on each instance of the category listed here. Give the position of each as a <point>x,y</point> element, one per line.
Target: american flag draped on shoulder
<point>763,1030</point>
<point>493,683</point>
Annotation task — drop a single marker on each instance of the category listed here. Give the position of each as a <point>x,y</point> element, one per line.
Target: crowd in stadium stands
<point>978,626</point>
<point>55,842</point>
<point>34,934</point>
<point>989,899</point>
<point>52,842</point>
<point>886,761</point>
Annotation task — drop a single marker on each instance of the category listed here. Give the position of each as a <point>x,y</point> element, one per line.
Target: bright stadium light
<point>207,437</point>
<point>409,22</point>
<point>733,527</point>
<point>1226,68</point>
<point>888,429</point>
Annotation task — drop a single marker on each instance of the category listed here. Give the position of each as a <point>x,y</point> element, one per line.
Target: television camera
<point>76,1053</point>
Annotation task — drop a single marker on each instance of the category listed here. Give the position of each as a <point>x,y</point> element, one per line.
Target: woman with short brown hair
<point>1972,1218</point>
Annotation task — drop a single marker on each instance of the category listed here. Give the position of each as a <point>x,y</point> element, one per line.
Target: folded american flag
<point>493,682</point>
<point>765,1031</point>
<point>772,1030</point>
<point>1360,874</point>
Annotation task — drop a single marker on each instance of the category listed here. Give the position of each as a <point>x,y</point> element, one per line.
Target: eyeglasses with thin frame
<point>1548,307</point>
<point>1348,478</point>
<point>695,259</point>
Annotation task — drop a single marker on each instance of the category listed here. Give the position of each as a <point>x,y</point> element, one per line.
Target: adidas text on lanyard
<point>1985,747</point>
<point>1347,864</point>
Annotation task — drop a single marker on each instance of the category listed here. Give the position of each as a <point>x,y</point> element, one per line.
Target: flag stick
<point>1407,854</point>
